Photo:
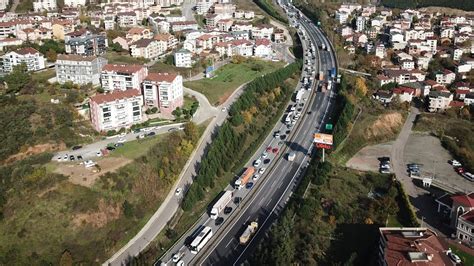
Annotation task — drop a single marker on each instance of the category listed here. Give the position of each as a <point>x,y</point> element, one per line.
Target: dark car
<point>79,157</point>
<point>266,161</point>
<point>151,134</point>
<point>249,185</point>
<point>288,132</point>
<point>77,147</point>
<point>219,221</point>
<point>118,144</point>
<point>227,210</point>
<point>384,159</point>
<point>71,158</point>
<point>110,148</point>
<point>309,112</point>
<point>237,200</point>
<point>283,137</point>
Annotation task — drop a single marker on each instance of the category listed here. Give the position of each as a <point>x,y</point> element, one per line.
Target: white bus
<point>201,240</point>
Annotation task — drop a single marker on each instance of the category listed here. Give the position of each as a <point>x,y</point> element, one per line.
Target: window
<point>136,108</point>
<point>107,114</point>
<point>136,113</point>
<point>106,109</point>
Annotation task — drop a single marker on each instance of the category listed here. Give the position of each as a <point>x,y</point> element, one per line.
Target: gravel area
<point>366,158</point>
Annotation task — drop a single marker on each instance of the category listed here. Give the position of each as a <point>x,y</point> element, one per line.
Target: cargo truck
<point>321,75</point>
<point>333,72</point>
<point>299,95</point>
<point>248,233</point>
<point>220,204</point>
<point>244,178</point>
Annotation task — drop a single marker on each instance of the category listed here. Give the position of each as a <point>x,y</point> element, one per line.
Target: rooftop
<point>161,77</point>
<point>114,96</point>
<point>127,69</point>
<point>73,57</point>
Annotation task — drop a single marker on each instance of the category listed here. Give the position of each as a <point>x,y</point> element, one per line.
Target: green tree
<point>66,259</point>
<point>18,78</point>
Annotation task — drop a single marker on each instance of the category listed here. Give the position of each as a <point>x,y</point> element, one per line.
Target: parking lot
<point>427,151</point>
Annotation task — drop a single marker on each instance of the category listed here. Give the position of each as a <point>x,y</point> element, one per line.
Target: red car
<point>275,150</point>
<point>269,149</point>
<point>459,170</point>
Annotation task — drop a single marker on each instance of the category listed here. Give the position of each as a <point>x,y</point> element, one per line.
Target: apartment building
<point>262,32</point>
<point>42,5</point>
<point>123,77</point>
<point>202,6</point>
<point>115,110</point>
<point>87,45</point>
<point>137,33</point>
<point>439,100</point>
<point>33,59</point>
<point>411,246</point>
<point>465,228</point>
<point>171,41</point>
<point>147,48</point>
<point>7,29</point>
<point>3,4</point>
<point>74,3</point>
<point>163,91</point>
<point>127,19</point>
<point>79,69</point>
<point>360,24</point>
<point>183,58</point>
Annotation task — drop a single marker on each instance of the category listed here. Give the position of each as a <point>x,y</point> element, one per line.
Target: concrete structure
<point>465,228</point>
<point>147,48</point>
<point>127,19</point>
<point>123,77</point>
<point>33,59</point>
<point>87,45</point>
<point>75,3</point>
<point>262,48</point>
<point>79,69</point>
<point>183,58</point>
<point>119,109</point>
<point>439,100</point>
<point>411,246</point>
<point>137,33</point>
<point>360,24</point>
<point>41,5</point>
<point>202,6</point>
<point>163,91</point>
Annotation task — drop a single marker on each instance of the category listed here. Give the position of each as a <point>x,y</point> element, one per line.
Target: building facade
<point>123,77</point>
<point>79,69</point>
<point>183,58</point>
<point>119,109</point>
<point>163,91</point>
<point>33,59</point>
<point>41,5</point>
<point>87,45</point>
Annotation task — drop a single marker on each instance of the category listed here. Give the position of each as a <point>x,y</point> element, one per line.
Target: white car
<point>89,163</point>
<point>264,154</point>
<point>121,140</point>
<point>224,109</point>
<point>455,163</point>
<point>122,134</point>
<point>177,256</point>
<point>262,170</point>
<point>454,257</point>
<point>99,154</point>
<point>66,157</point>
<point>256,177</point>
<point>59,159</point>
<point>178,191</point>
<point>257,163</point>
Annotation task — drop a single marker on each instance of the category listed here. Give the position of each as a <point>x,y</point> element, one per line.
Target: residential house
<point>183,25</point>
<point>404,94</point>
<point>262,48</point>
<point>183,58</point>
<point>44,5</point>
<point>127,19</point>
<point>87,45</point>
<point>465,228</point>
<point>469,98</point>
<point>33,59</point>
<point>137,33</point>
<point>445,77</point>
<point>109,22</point>
<point>168,40</point>
<point>75,3</point>
<point>439,100</point>
<point>9,42</point>
<point>122,77</point>
<point>163,91</point>
<point>61,27</point>
<point>262,32</point>
<point>116,110</point>
<point>7,29</point>
<point>79,69</point>
<point>453,207</point>
<point>242,47</point>
<point>382,96</point>
<point>411,246</point>
<point>147,48</point>
<point>203,6</point>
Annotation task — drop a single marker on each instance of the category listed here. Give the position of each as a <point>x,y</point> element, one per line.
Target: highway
<point>263,202</point>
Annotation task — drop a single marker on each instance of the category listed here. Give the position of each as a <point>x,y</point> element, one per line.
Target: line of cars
<point>460,170</point>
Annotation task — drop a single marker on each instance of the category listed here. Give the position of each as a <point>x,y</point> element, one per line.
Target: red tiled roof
<point>161,77</point>
<point>402,90</point>
<point>468,216</point>
<point>26,50</point>
<point>265,42</point>
<point>465,200</point>
<point>116,95</point>
<point>143,42</point>
<point>163,37</point>
<point>461,91</point>
<point>128,69</point>
<point>456,104</point>
<point>135,30</point>
<point>240,42</point>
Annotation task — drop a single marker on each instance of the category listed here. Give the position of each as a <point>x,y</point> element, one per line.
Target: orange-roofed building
<point>163,91</point>
<point>123,77</point>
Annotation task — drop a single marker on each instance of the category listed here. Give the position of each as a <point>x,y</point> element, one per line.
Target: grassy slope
<point>39,223</point>
<point>229,77</point>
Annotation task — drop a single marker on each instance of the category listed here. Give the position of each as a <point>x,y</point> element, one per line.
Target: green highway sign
<point>328,126</point>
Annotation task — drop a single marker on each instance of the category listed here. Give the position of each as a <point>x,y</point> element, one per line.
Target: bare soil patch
<point>105,214</point>
<point>36,149</point>
<point>366,158</point>
<point>80,175</point>
<point>385,124</point>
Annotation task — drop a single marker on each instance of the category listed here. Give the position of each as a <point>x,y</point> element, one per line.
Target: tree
<point>51,55</point>
<point>361,87</point>
<point>116,47</point>
<point>191,131</point>
<point>18,78</point>
<point>177,112</point>
<point>66,259</point>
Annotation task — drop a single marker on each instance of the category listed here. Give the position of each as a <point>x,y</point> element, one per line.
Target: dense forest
<point>467,5</point>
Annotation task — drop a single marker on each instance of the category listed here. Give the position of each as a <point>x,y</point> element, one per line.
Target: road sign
<point>328,126</point>
<point>323,138</point>
<point>323,146</point>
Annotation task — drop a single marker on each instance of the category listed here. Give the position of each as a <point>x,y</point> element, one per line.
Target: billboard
<point>323,141</point>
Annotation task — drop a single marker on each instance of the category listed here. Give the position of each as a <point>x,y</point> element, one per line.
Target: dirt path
<point>14,5</point>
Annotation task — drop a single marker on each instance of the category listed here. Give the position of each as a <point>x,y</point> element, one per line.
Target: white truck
<point>220,204</point>
<point>247,234</point>
<point>291,156</point>
<point>299,95</point>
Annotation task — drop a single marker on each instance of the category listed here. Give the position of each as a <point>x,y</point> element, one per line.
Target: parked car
<point>77,147</point>
<point>264,154</point>
<point>277,134</point>
<point>249,185</point>
<point>89,163</point>
<point>454,163</point>
<point>227,210</point>
<point>219,221</point>
<point>269,149</point>
<point>257,163</point>
<point>468,176</point>
<point>110,148</point>
<point>121,140</point>
<point>79,157</point>
<point>255,177</point>
<point>177,256</point>
<point>266,161</point>
<point>454,257</point>
<point>459,170</point>
<point>118,144</point>
<point>384,159</point>
<point>384,171</point>
<point>151,134</point>
<point>59,159</point>
<point>71,157</point>
<point>66,157</point>
<point>262,170</point>
<point>275,150</point>
<point>99,154</point>
<point>178,191</point>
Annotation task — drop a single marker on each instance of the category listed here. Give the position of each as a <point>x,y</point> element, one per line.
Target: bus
<point>201,240</point>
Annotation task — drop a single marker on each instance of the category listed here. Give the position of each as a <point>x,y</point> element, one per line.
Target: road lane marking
<point>230,241</point>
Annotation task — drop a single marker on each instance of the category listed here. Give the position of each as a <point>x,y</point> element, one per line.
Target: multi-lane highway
<point>270,192</point>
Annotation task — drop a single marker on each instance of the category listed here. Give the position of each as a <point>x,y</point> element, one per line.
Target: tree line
<point>467,5</point>
<point>228,145</point>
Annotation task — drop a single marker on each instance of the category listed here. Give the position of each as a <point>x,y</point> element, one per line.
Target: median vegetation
<point>269,8</point>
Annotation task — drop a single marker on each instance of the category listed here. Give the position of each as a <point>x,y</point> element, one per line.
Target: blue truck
<point>333,72</point>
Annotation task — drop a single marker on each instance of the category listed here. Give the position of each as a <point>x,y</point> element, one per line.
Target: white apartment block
<point>119,109</point>
<point>202,6</point>
<point>3,4</point>
<point>147,48</point>
<point>447,33</point>
<point>122,77</point>
<point>342,16</point>
<point>41,5</point>
<point>163,91</point>
<point>33,59</point>
<point>183,58</point>
<point>439,100</point>
<point>445,77</point>
<point>109,23</point>
<point>465,228</point>
<point>79,69</point>
<point>380,51</point>
<point>360,24</point>
<point>127,19</point>
<point>75,3</point>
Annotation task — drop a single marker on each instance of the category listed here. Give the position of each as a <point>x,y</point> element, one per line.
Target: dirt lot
<point>80,175</point>
<point>427,150</point>
<point>366,158</point>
